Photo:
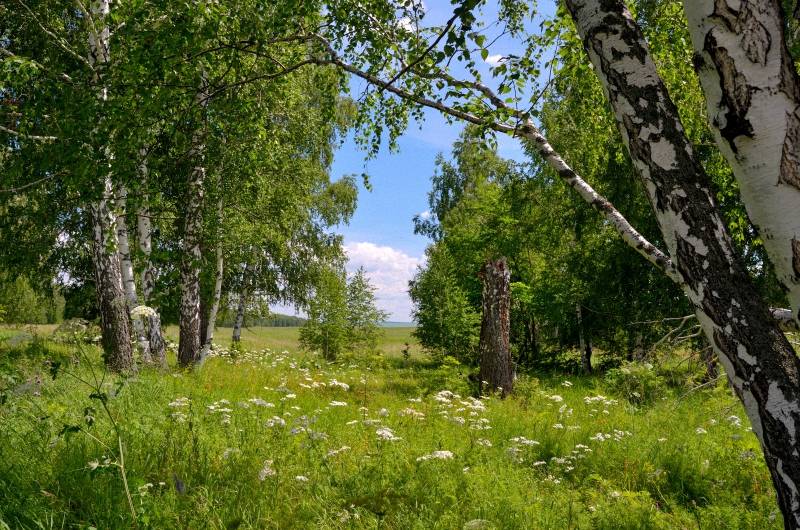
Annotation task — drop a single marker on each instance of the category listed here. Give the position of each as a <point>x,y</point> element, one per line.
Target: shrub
<point>638,383</point>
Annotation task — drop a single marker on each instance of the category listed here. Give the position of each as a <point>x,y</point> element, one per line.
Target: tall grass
<point>276,439</point>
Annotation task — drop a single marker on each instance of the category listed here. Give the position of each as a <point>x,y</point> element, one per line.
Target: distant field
<point>257,338</point>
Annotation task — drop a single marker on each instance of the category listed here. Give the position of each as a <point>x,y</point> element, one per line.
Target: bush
<point>638,383</point>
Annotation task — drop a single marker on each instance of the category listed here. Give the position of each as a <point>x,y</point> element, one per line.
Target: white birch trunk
<point>219,274</point>
<point>144,229</point>
<point>753,96</point>
<point>239,322</point>
<point>128,278</point>
<point>190,321</point>
<point>760,363</point>
<point>115,321</point>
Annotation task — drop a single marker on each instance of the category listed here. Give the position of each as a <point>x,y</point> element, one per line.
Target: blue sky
<point>380,236</point>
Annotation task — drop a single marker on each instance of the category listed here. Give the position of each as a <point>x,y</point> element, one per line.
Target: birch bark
<point>190,328</point>
<point>144,229</point>
<point>219,274</point>
<point>753,95</point>
<point>126,266</point>
<point>114,318</point>
<point>760,363</point>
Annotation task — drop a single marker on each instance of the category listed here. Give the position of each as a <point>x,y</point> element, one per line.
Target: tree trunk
<point>114,317</point>
<point>219,274</point>
<point>710,362</point>
<point>144,227</point>
<point>128,279</point>
<point>211,321</point>
<point>584,345</point>
<point>760,363</point>
<point>496,370</point>
<point>237,324</point>
<point>189,320</point>
<point>753,96</point>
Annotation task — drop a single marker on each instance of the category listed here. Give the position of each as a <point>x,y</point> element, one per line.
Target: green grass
<point>680,462</point>
<point>392,343</point>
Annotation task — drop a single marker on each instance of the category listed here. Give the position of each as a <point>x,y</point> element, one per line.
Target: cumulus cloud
<point>425,215</point>
<point>494,60</point>
<point>389,271</point>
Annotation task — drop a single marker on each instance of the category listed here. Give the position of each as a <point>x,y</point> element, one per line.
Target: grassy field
<point>392,343</point>
<point>277,438</point>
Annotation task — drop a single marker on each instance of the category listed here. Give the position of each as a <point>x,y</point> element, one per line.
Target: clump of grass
<point>276,439</point>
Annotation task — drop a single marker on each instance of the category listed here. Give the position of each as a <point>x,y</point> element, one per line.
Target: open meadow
<point>274,437</point>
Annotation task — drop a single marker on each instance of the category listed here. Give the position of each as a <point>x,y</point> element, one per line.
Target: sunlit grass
<point>267,438</point>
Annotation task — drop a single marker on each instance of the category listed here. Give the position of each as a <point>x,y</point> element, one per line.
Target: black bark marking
<point>735,94</point>
<point>790,157</point>
<point>796,257</point>
<point>756,40</point>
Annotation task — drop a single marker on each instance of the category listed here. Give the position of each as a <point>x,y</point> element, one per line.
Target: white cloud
<point>389,271</point>
<point>494,60</point>
<point>425,215</point>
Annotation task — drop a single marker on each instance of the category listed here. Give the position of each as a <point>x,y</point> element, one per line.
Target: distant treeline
<point>275,320</point>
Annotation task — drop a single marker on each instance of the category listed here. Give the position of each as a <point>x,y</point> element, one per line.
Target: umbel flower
<point>142,311</point>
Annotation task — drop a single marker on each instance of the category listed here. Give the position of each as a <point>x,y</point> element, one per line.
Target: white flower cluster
<point>386,434</point>
<point>436,455</point>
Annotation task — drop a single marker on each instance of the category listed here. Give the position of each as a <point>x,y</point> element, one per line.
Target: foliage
<point>447,324</point>
<point>326,327</point>
<point>363,316</point>
<point>638,383</point>
<point>24,305</point>
<point>342,315</point>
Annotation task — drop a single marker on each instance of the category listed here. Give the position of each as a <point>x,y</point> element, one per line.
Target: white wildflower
<point>436,455</point>
<point>334,452</point>
<point>142,311</point>
<point>266,471</point>
<point>385,433</point>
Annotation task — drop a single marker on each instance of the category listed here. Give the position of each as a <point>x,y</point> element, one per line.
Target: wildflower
<point>566,384</point>
<point>266,471</point>
<point>555,398</point>
<point>383,413</point>
<point>417,415</point>
<point>180,402</point>
<point>385,433</point>
<point>276,420</point>
<point>615,494</point>
<point>301,478</point>
<point>436,455</point>
<point>483,442</point>
<point>524,441</point>
<point>334,452</point>
<point>700,430</point>
<point>338,404</point>
<point>338,384</point>
<point>539,463</point>
<point>558,426</point>
<point>142,311</point>
<point>260,402</point>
